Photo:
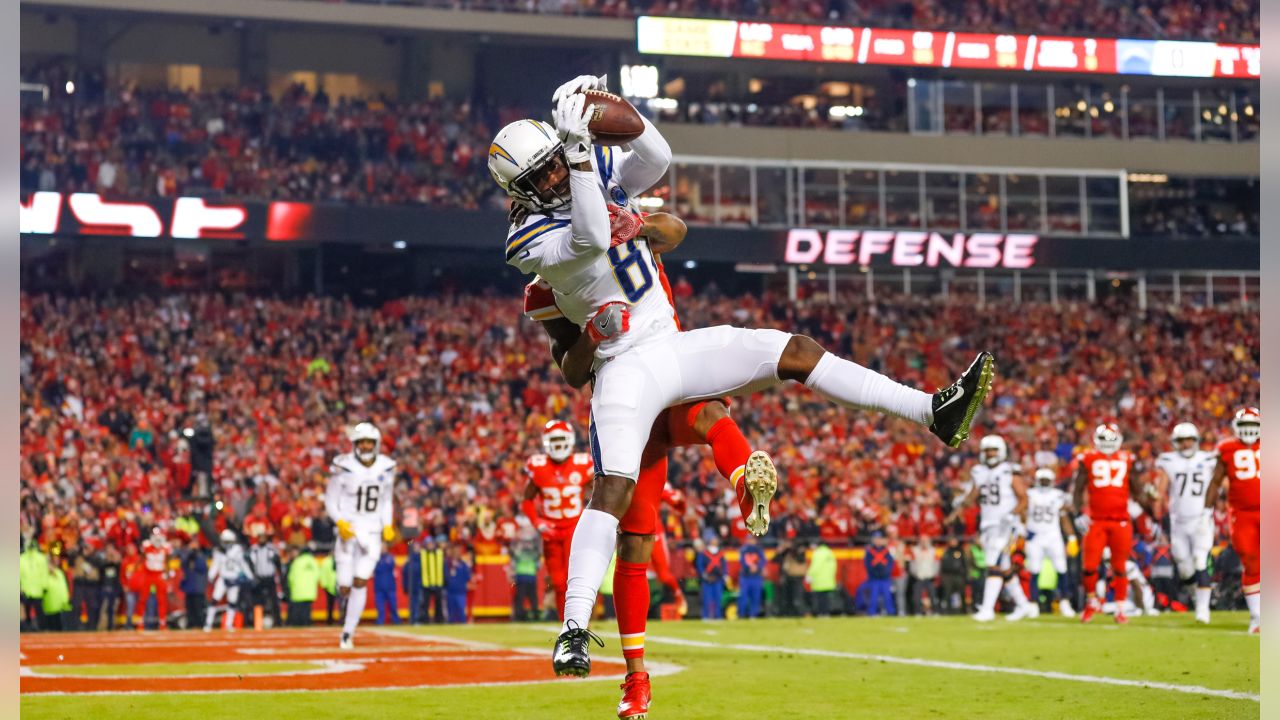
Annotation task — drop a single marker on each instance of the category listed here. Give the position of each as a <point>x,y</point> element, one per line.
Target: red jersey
<point>1108,488</point>
<point>156,554</point>
<point>560,487</point>
<point>1244,470</point>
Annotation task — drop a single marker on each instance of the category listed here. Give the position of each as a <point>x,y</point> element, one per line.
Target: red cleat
<point>635,697</point>
<point>1090,609</point>
<point>1122,619</point>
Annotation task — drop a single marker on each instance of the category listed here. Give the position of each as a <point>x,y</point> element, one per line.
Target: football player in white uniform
<point>228,570</point>
<point>358,500</point>
<point>1184,473</point>
<point>560,184</point>
<point>1047,522</point>
<point>997,486</point>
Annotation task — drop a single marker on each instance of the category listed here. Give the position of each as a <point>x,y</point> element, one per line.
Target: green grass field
<point>1046,668</point>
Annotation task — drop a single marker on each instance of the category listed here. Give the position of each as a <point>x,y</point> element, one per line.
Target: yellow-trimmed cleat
<point>761,480</point>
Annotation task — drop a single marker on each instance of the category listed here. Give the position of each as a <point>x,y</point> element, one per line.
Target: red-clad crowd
<point>1228,20</point>
<point>461,388</point>
<point>298,146</point>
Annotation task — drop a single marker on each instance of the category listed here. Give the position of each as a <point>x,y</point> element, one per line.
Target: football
<point>613,121</point>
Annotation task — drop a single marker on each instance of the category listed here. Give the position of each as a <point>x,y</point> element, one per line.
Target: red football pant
<point>631,602</point>
<point>1245,541</point>
<point>148,579</point>
<point>1114,534</point>
<point>555,552</point>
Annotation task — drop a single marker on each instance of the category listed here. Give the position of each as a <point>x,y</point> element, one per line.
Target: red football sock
<point>731,450</point>
<point>1121,587</point>
<point>631,601</point>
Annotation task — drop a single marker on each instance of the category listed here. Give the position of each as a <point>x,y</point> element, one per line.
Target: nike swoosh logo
<point>959,394</point>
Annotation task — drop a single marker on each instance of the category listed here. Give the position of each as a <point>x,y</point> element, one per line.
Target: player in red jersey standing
<point>1106,473</point>
<point>553,499</point>
<point>1240,462</point>
<point>155,565</point>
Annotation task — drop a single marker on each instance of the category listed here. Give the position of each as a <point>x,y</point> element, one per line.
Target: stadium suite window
<point>735,195</point>
<point>1022,203</point>
<point>958,107</point>
<point>695,192</point>
<point>1180,119</point>
<point>1106,111</point>
<point>1215,114</point>
<point>862,198</point>
<point>1102,195</point>
<point>1062,203</point>
<point>821,196</point>
<point>773,195</point>
<point>1071,111</point>
<point>1246,108</point>
<point>982,201</point>
<point>902,199</point>
<point>1142,104</point>
<point>997,108</point>
<point>942,200</point>
<point>1034,114</point>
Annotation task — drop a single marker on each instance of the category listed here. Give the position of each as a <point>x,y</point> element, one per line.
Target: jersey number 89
<point>631,270</point>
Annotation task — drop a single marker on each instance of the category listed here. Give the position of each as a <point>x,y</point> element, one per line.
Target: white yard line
<point>948,665</point>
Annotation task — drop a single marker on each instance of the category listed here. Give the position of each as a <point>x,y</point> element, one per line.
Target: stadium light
<point>640,81</point>
<point>71,88</point>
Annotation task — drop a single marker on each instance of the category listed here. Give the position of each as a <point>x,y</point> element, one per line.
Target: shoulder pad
<point>531,229</point>
<point>344,463</point>
<point>384,463</point>
<point>538,460</point>
<point>540,301</point>
<point>582,459</point>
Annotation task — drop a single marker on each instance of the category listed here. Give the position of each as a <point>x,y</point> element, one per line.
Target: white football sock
<point>355,608</point>
<point>1202,600</point>
<point>850,385</point>
<point>230,622</point>
<point>991,592</point>
<point>209,614</point>
<point>1016,592</point>
<point>1254,601</point>
<point>593,543</point>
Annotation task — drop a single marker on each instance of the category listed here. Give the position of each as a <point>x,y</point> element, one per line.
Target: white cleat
<point>1255,626</point>
<point>761,479</point>
<point>1020,612</point>
<point>1202,618</point>
<point>984,616</point>
<point>1065,609</point>
<point>1034,611</point>
<point>345,643</point>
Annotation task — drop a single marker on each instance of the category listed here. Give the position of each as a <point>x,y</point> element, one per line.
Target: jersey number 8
<point>631,270</point>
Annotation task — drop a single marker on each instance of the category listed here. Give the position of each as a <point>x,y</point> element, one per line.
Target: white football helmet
<point>993,450</point>
<point>520,155</point>
<point>557,440</point>
<point>1185,431</point>
<point>1247,425</point>
<point>1045,477</point>
<point>365,431</point>
<point>1107,438</point>
<point>227,537</point>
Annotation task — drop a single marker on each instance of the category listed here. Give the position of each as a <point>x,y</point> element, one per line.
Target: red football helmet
<point>1247,425</point>
<point>1107,438</point>
<point>557,440</point>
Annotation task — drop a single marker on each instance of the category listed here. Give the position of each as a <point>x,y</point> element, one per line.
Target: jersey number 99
<point>632,272</point>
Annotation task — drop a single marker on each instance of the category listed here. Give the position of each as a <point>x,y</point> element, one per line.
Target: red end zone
<point>381,660</point>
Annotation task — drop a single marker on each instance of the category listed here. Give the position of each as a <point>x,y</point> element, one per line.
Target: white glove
<point>579,84</point>
<point>1082,524</point>
<point>571,120</point>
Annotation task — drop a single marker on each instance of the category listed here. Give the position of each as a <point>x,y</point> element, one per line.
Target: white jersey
<point>995,492</point>
<point>229,564</point>
<point>1188,480</point>
<point>361,494</point>
<point>570,248</point>
<point>1044,508</point>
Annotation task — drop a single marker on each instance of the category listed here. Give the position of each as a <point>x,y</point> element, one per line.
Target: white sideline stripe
<point>326,667</point>
<point>948,665</point>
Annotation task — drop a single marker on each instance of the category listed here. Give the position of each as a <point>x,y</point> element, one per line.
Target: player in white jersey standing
<point>561,185</point>
<point>1047,522</point>
<point>358,500</point>
<point>997,486</point>
<point>1184,473</point>
<point>228,571</point>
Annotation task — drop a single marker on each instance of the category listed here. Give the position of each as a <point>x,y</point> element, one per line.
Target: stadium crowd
<point>129,406</point>
<point>1226,20</point>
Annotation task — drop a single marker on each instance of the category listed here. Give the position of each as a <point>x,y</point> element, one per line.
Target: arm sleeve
<point>331,495</point>
<point>647,162</point>
<point>590,217</point>
<point>388,508</point>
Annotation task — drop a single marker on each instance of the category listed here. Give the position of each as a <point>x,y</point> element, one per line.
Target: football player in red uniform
<point>1105,472</point>
<point>1240,462</point>
<point>558,478</point>
<point>153,574</point>
<point>752,474</point>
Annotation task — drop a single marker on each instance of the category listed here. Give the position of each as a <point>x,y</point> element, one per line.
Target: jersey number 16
<point>367,498</point>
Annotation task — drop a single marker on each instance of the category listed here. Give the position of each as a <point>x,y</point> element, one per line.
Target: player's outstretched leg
<point>631,598</point>
<point>948,413</point>
<point>751,474</point>
<point>761,481</point>
<point>355,608</point>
